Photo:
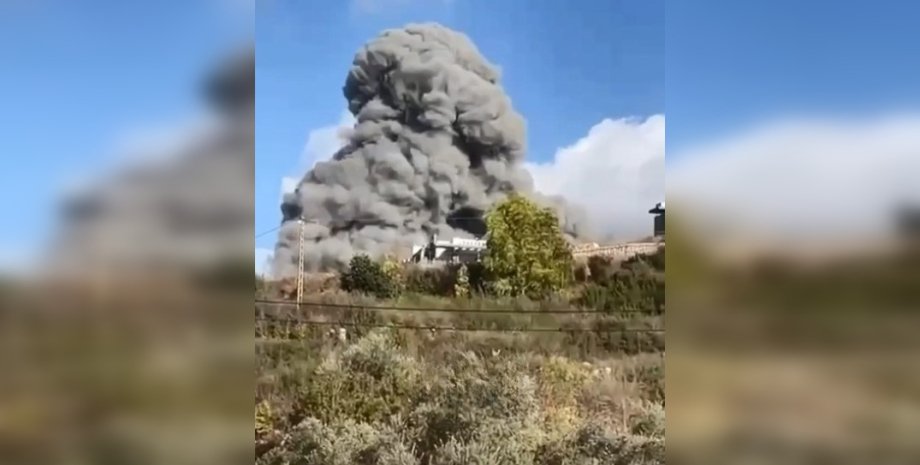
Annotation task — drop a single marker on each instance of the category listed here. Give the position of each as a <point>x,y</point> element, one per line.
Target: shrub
<point>599,267</point>
<point>654,260</point>
<point>473,452</point>
<point>442,281</point>
<point>478,277</point>
<point>370,381</point>
<point>371,401</point>
<point>628,290</point>
<point>561,382</point>
<point>265,422</point>
<point>500,288</point>
<point>651,377</point>
<point>342,443</point>
<point>476,400</point>
<point>394,272</point>
<point>592,445</point>
<point>366,276</point>
<point>629,336</point>
<point>581,272</point>
<point>494,443</point>
<point>429,281</point>
<point>462,286</point>
<point>649,422</point>
<point>594,296</point>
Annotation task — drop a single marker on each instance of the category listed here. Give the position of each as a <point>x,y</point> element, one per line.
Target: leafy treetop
<point>527,254</point>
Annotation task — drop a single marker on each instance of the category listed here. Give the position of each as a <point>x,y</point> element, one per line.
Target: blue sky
<point>731,64</point>
<point>78,77</point>
<point>565,69</point>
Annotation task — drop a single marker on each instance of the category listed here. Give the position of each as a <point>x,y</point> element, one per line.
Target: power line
<point>453,310</point>
<point>280,226</point>
<point>459,329</point>
<point>269,231</point>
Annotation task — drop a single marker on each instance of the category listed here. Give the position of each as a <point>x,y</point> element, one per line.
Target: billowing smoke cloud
<point>436,143</point>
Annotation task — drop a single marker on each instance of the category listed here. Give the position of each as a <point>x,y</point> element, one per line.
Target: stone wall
<point>617,251</point>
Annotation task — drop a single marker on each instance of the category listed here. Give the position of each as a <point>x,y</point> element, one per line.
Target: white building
<point>456,250</point>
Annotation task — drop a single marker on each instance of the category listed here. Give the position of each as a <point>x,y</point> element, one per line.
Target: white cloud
<point>321,144</point>
<point>616,172</point>
<point>802,181</point>
<point>288,184</point>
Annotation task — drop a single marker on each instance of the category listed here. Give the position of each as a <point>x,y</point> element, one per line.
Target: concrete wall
<point>619,251</point>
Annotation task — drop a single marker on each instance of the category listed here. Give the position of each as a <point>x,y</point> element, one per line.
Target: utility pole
<point>300,265</point>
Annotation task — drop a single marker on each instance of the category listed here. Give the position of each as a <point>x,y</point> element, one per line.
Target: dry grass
<point>568,398</point>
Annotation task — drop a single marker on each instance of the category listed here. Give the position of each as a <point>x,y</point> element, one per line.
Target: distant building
<point>456,250</point>
<point>658,222</point>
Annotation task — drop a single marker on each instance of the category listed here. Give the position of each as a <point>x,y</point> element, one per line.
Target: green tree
<point>527,254</point>
<point>366,276</point>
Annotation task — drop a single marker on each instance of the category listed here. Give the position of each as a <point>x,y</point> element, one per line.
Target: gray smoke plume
<point>435,144</point>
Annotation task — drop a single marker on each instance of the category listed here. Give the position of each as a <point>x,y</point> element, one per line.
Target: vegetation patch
<point>378,400</point>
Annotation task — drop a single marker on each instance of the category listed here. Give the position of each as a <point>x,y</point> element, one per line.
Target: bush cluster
<point>443,280</point>
<point>651,377</point>
<point>635,286</point>
<point>591,445</point>
<point>372,402</point>
<point>429,281</point>
<point>366,276</point>
<point>367,382</point>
